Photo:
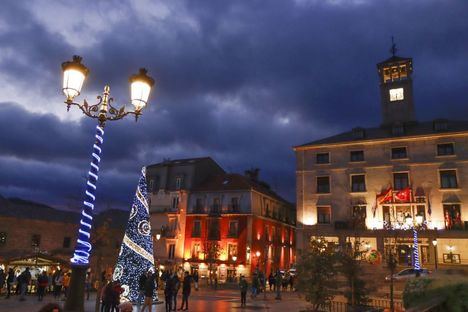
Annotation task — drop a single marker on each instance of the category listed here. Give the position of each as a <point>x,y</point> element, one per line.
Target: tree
<point>136,253</point>
<point>212,250</point>
<point>316,272</point>
<point>350,266</point>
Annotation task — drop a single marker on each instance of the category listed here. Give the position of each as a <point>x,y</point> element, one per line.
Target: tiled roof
<point>410,130</point>
<point>184,161</point>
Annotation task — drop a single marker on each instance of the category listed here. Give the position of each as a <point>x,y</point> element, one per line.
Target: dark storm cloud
<point>239,81</point>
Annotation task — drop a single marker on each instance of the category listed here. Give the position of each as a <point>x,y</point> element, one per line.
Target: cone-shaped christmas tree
<point>136,252</point>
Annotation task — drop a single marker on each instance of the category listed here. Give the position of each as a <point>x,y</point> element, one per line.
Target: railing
<point>337,306</point>
<point>198,209</point>
<point>233,209</point>
<point>215,210</point>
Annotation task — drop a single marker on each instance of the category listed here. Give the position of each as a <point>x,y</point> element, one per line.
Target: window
<point>66,242</point>
<point>396,94</point>
<point>323,215</point>
<point>233,228</point>
<point>323,184</point>
<point>196,230</point>
<point>448,179</point>
<point>36,240</point>
<point>398,129</point>
<point>199,205</point>
<point>452,217</point>
<point>267,233</point>
<point>359,217</point>
<point>358,183</point>
<point>234,204</point>
<point>175,202</point>
<point>171,251</point>
<point>196,250</point>
<point>232,250</point>
<point>216,208</point>
<point>323,158</point>
<point>399,153</point>
<point>445,149</point>
<point>400,180</point>
<point>178,182</point>
<point>213,230</point>
<point>357,156</point>
<point>3,238</point>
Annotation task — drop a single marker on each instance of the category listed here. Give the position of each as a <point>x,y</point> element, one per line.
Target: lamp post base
<point>76,292</point>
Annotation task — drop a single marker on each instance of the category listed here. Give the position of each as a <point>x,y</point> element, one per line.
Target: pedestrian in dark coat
<point>23,282</point>
<point>271,281</point>
<point>168,288</point>
<point>10,281</point>
<point>175,290</point>
<point>42,282</point>
<point>186,287</point>
<point>141,291</point>
<point>243,288</point>
<point>2,280</point>
<point>150,286</point>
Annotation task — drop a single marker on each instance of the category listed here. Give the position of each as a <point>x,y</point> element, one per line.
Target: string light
<point>83,245</point>
<point>136,252</point>
<point>417,266</point>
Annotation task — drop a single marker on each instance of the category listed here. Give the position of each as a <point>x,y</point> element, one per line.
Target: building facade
<point>377,183</point>
<point>236,224</point>
<point>169,185</point>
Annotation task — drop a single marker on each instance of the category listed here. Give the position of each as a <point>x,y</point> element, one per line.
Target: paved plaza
<point>205,300</point>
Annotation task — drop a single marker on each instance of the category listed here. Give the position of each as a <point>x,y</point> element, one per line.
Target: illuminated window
<point>396,94</point>
<point>323,215</point>
<point>178,182</point>
<point>196,250</point>
<point>232,250</point>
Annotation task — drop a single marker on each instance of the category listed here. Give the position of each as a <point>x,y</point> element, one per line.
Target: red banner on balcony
<point>403,195</point>
<point>385,196</point>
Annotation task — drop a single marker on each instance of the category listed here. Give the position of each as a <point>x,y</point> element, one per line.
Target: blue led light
<point>83,245</point>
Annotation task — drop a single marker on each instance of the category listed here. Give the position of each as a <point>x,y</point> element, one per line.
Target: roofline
<point>381,140</point>
<point>169,162</point>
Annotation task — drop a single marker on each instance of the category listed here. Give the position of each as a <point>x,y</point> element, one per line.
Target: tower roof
<point>394,60</point>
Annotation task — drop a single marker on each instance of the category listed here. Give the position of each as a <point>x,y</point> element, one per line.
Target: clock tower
<point>396,89</point>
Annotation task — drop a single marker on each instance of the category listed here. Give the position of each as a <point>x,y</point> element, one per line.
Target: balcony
<point>198,209</point>
<point>215,210</point>
<point>233,209</point>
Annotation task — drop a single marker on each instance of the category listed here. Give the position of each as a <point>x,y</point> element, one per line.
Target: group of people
<point>22,283</point>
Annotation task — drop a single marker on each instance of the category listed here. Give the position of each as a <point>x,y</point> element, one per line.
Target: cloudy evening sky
<point>240,81</point>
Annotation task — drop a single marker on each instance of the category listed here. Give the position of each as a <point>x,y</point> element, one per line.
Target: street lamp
<point>414,223</point>
<point>158,236</point>
<point>434,243</point>
<point>74,75</point>
<point>234,258</point>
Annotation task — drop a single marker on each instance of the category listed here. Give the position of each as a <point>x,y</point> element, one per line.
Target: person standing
<point>58,282</point>
<point>42,282</point>
<point>88,284</point>
<point>2,280</point>
<point>243,288</point>
<point>255,285</point>
<point>66,284</point>
<point>141,291</point>
<point>150,286</point>
<point>115,296</point>
<point>186,288</point>
<point>278,284</point>
<point>23,281</point>
<point>168,291</point>
<point>195,280</point>
<point>175,290</point>
<point>10,280</point>
<point>271,281</point>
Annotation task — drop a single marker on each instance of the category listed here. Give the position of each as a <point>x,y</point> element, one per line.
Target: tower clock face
<point>396,94</point>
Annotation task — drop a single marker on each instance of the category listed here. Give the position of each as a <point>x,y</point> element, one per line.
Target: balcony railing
<point>233,209</point>
<point>215,210</point>
<point>198,209</point>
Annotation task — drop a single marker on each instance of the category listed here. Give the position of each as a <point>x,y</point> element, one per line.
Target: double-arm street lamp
<point>74,74</point>
<point>414,224</point>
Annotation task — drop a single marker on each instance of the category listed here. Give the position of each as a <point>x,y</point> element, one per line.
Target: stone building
<point>39,236</point>
<point>368,182</point>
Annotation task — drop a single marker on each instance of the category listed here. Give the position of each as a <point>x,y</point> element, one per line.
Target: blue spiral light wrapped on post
<point>417,266</point>
<point>83,244</point>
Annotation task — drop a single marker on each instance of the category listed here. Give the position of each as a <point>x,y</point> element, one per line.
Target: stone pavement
<point>205,300</point>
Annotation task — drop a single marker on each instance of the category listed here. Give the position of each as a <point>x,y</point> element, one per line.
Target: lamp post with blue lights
<point>74,75</point>
<point>414,224</point>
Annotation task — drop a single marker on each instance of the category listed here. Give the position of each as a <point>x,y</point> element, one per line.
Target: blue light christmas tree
<point>136,253</point>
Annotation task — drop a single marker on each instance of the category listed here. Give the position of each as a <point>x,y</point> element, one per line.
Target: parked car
<point>407,274</point>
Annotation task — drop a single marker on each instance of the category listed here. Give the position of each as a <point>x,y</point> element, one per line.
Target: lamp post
<point>434,243</point>
<point>414,223</point>
<point>258,254</point>
<point>74,74</point>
